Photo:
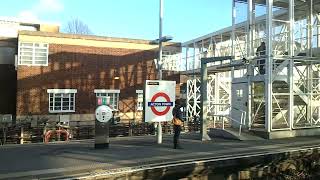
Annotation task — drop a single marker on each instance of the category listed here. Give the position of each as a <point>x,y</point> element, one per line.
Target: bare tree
<point>76,26</point>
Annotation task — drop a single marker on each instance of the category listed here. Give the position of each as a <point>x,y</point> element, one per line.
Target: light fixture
<point>163,39</point>
<point>115,71</point>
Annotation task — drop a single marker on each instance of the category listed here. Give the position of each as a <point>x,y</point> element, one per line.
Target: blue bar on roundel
<point>150,104</point>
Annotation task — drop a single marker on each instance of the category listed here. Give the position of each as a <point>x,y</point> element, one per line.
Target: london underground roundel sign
<point>159,100</point>
<point>166,104</point>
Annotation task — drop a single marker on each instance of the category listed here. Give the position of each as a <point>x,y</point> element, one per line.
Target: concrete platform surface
<point>79,158</point>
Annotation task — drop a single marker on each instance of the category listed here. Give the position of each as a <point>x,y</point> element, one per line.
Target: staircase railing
<point>226,114</point>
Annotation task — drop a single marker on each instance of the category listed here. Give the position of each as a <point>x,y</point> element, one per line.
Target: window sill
<point>62,111</point>
<point>32,65</point>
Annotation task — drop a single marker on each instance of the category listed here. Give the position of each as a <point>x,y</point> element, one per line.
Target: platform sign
<point>159,100</point>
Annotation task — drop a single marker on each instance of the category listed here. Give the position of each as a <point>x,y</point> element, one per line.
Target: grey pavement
<point>80,158</point>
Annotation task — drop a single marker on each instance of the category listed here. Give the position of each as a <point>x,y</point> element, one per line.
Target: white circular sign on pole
<point>103,113</point>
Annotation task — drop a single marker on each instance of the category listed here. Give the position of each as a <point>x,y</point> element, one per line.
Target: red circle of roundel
<point>153,99</point>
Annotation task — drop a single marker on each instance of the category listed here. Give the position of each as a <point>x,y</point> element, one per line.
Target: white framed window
<point>240,92</point>
<point>139,100</point>
<point>33,54</point>
<point>61,100</point>
<point>112,93</point>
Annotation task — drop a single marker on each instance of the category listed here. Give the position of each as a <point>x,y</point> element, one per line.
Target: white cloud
<point>41,7</point>
<point>28,15</point>
<point>48,6</point>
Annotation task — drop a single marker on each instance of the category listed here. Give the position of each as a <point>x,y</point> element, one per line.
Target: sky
<point>183,19</point>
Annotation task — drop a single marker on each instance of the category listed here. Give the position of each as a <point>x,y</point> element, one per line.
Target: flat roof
<point>92,37</point>
<point>25,21</point>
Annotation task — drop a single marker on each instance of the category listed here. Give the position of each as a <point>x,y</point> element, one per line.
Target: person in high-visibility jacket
<point>177,123</point>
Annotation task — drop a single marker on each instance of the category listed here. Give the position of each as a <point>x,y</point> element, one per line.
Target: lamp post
<point>160,42</point>
<point>159,62</point>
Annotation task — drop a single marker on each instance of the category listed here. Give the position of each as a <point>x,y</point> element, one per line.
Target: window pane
<point>117,100</point>
<point>57,108</point>
<point>26,53</point>
<point>33,54</point>
<point>65,107</point>
<point>38,50</point>
<point>23,58</point>
<point>25,62</point>
<point>57,103</point>
<point>40,58</point>
<point>26,44</point>
<point>111,101</point>
<point>140,97</point>
<point>40,54</point>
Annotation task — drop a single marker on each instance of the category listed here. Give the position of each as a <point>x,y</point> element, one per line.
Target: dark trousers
<point>262,65</point>
<point>177,130</point>
<point>262,70</point>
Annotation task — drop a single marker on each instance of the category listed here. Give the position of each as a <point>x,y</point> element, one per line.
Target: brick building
<point>58,76</point>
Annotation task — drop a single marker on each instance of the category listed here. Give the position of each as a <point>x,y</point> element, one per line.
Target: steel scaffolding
<point>278,86</point>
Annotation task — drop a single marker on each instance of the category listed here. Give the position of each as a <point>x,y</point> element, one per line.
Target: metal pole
<point>309,66</point>
<point>204,102</point>
<point>187,49</point>
<point>291,62</point>
<point>250,52</point>
<point>194,60</point>
<point>309,30</point>
<point>269,61</point>
<point>160,40</point>
<point>318,30</point>
<point>159,128</point>
<point>249,29</point>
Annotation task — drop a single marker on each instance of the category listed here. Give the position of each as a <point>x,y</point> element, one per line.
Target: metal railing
<point>226,114</point>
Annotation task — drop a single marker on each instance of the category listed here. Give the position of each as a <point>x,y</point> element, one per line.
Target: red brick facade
<point>84,68</point>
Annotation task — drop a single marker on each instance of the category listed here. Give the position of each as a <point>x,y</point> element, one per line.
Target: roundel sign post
<point>159,100</point>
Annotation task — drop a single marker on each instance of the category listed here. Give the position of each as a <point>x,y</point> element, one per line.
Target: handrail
<point>242,118</point>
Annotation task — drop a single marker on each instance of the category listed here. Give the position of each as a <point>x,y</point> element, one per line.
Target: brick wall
<point>84,69</point>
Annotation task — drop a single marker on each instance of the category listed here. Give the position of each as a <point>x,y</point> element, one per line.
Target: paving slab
<point>77,158</point>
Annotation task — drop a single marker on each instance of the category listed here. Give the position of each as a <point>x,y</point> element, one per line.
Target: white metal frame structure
<point>284,98</point>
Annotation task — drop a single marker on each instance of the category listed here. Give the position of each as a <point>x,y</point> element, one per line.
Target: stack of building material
<point>121,129</point>
<point>13,135</point>
<point>82,132</point>
<point>192,126</point>
<point>140,129</point>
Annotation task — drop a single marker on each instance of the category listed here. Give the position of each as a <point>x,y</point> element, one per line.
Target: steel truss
<point>287,95</point>
<point>218,93</point>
